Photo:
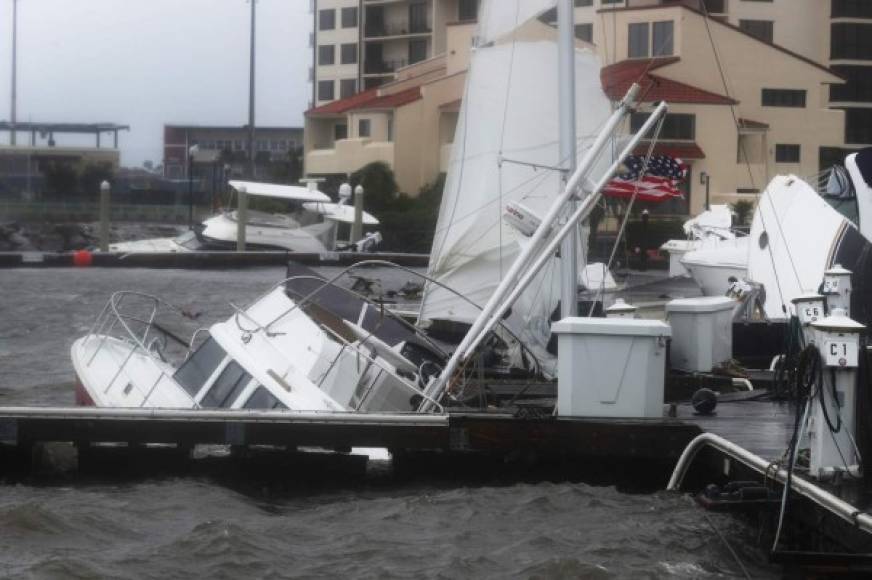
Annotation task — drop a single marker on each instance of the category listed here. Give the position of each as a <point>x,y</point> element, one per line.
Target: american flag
<point>659,183</point>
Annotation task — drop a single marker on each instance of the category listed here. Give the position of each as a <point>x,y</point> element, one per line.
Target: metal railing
<point>123,321</point>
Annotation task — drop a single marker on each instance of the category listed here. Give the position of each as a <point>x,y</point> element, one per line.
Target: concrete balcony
<point>349,155</point>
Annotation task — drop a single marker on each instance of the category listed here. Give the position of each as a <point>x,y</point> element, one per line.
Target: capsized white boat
<point>706,229</point>
<point>277,353</point>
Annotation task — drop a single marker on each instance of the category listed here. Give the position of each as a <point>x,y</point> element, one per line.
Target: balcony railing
<point>384,66</point>
<point>382,30</point>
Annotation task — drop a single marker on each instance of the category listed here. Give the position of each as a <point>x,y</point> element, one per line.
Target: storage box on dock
<point>611,367</point>
<point>702,332</point>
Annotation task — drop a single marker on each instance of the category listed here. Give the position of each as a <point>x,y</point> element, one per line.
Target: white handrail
<point>805,488</point>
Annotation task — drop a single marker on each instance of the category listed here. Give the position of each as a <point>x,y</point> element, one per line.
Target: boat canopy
<point>289,192</point>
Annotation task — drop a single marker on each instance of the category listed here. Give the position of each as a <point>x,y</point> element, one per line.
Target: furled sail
<point>505,149</point>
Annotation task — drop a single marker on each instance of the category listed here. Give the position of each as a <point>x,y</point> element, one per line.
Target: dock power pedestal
<point>832,424</point>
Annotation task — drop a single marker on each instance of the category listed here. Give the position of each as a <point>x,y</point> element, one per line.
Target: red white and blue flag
<point>659,183</point>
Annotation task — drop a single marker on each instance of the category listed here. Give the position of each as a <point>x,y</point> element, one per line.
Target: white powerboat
<point>312,227</point>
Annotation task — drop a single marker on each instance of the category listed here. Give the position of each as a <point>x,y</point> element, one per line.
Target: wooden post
<point>104,216</point>
<point>241,219</point>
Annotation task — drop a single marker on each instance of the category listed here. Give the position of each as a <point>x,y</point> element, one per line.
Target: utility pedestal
<point>837,289</point>
<point>809,309</point>
<point>832,425</point>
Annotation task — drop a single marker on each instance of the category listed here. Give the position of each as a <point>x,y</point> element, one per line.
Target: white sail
<point>508,120</point>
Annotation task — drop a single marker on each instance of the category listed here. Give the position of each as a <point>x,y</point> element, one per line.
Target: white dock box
<point>610,367</point>
<point>702,332</point>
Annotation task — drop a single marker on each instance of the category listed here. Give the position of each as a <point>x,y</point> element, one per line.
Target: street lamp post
<point>705,179</point>
<point>192,150</point>
<point>14,71</point>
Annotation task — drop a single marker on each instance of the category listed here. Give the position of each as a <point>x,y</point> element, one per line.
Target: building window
<point>858,126</point>
<point>851,41</point>
<point>783,98</point>
<point>327,19</point>
<point>611,1</point>
<point>467,10</point>
<point>347,87</point>
<point>714,6</point>
<point>325,91</point>
<point>761,29</point>
<point>857,89</point>
<point>418,17</point>
<point>340,131</point>
<point>662,38</point>
<point>326,54</point>
<point>584,32</point>
<point>583,3</point>
<point>364,128</point>
<point>851,9</point>
<point>675,126</point>
<point>787,153</point>
<point>417,50</point>
<point>349,17</point>
<point>348,53</point>
<point>638,47</point>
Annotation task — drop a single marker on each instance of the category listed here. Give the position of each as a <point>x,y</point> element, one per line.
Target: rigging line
<point>465,109</point>
<point>745,157</point>
<point>648,155</point>
<point>503,129</point>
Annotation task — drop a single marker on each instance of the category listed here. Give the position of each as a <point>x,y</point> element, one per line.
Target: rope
<point>648,155</point>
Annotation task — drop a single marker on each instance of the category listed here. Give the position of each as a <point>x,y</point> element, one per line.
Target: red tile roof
<point>617,78</point>
<point>368,100</point>
<point>674,149</point>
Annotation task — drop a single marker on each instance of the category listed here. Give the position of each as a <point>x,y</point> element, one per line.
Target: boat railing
<point>358,347</point>
<point>332,282</point>
<point>371,360</point>
<point>131,317</point>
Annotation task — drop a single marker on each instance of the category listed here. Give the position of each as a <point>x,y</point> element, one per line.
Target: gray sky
<point>145,63</point>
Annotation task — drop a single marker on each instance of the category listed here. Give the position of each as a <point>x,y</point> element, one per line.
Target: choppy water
<point>379,527</point>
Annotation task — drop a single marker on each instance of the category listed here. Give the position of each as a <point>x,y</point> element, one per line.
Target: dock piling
<point>104,216</point>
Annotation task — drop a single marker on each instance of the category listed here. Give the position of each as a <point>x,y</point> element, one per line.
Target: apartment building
<point>360,44</point>
<point>407,123</point>
<point>781,110</point>
<point>834,33</point>
<point>226,145</point>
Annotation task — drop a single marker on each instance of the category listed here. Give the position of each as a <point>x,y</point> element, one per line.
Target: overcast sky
<point>145,63</point>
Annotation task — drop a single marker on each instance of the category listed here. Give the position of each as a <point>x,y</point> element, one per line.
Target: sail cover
<point>508,121</point>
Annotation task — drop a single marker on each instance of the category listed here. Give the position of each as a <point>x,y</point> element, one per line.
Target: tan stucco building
<point>768,113</point>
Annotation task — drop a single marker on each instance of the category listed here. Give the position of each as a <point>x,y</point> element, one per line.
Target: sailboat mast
<point>566,122</point>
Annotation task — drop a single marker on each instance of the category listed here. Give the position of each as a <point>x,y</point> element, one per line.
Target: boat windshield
<point>188,240</point>
<point>227,387</point>
<point>838,191</point>
<point>196,370</point>
<point>263,399</point>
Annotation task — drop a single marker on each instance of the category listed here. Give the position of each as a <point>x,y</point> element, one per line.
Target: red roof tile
<point>617,78</point>
<point>674,149</point>
<point>368,100</point>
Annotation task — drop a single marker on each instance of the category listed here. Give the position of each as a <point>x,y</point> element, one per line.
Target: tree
<point>60,178</point>
<point>92,175</point>
<point>743,209</point>
<point>378,181</point>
